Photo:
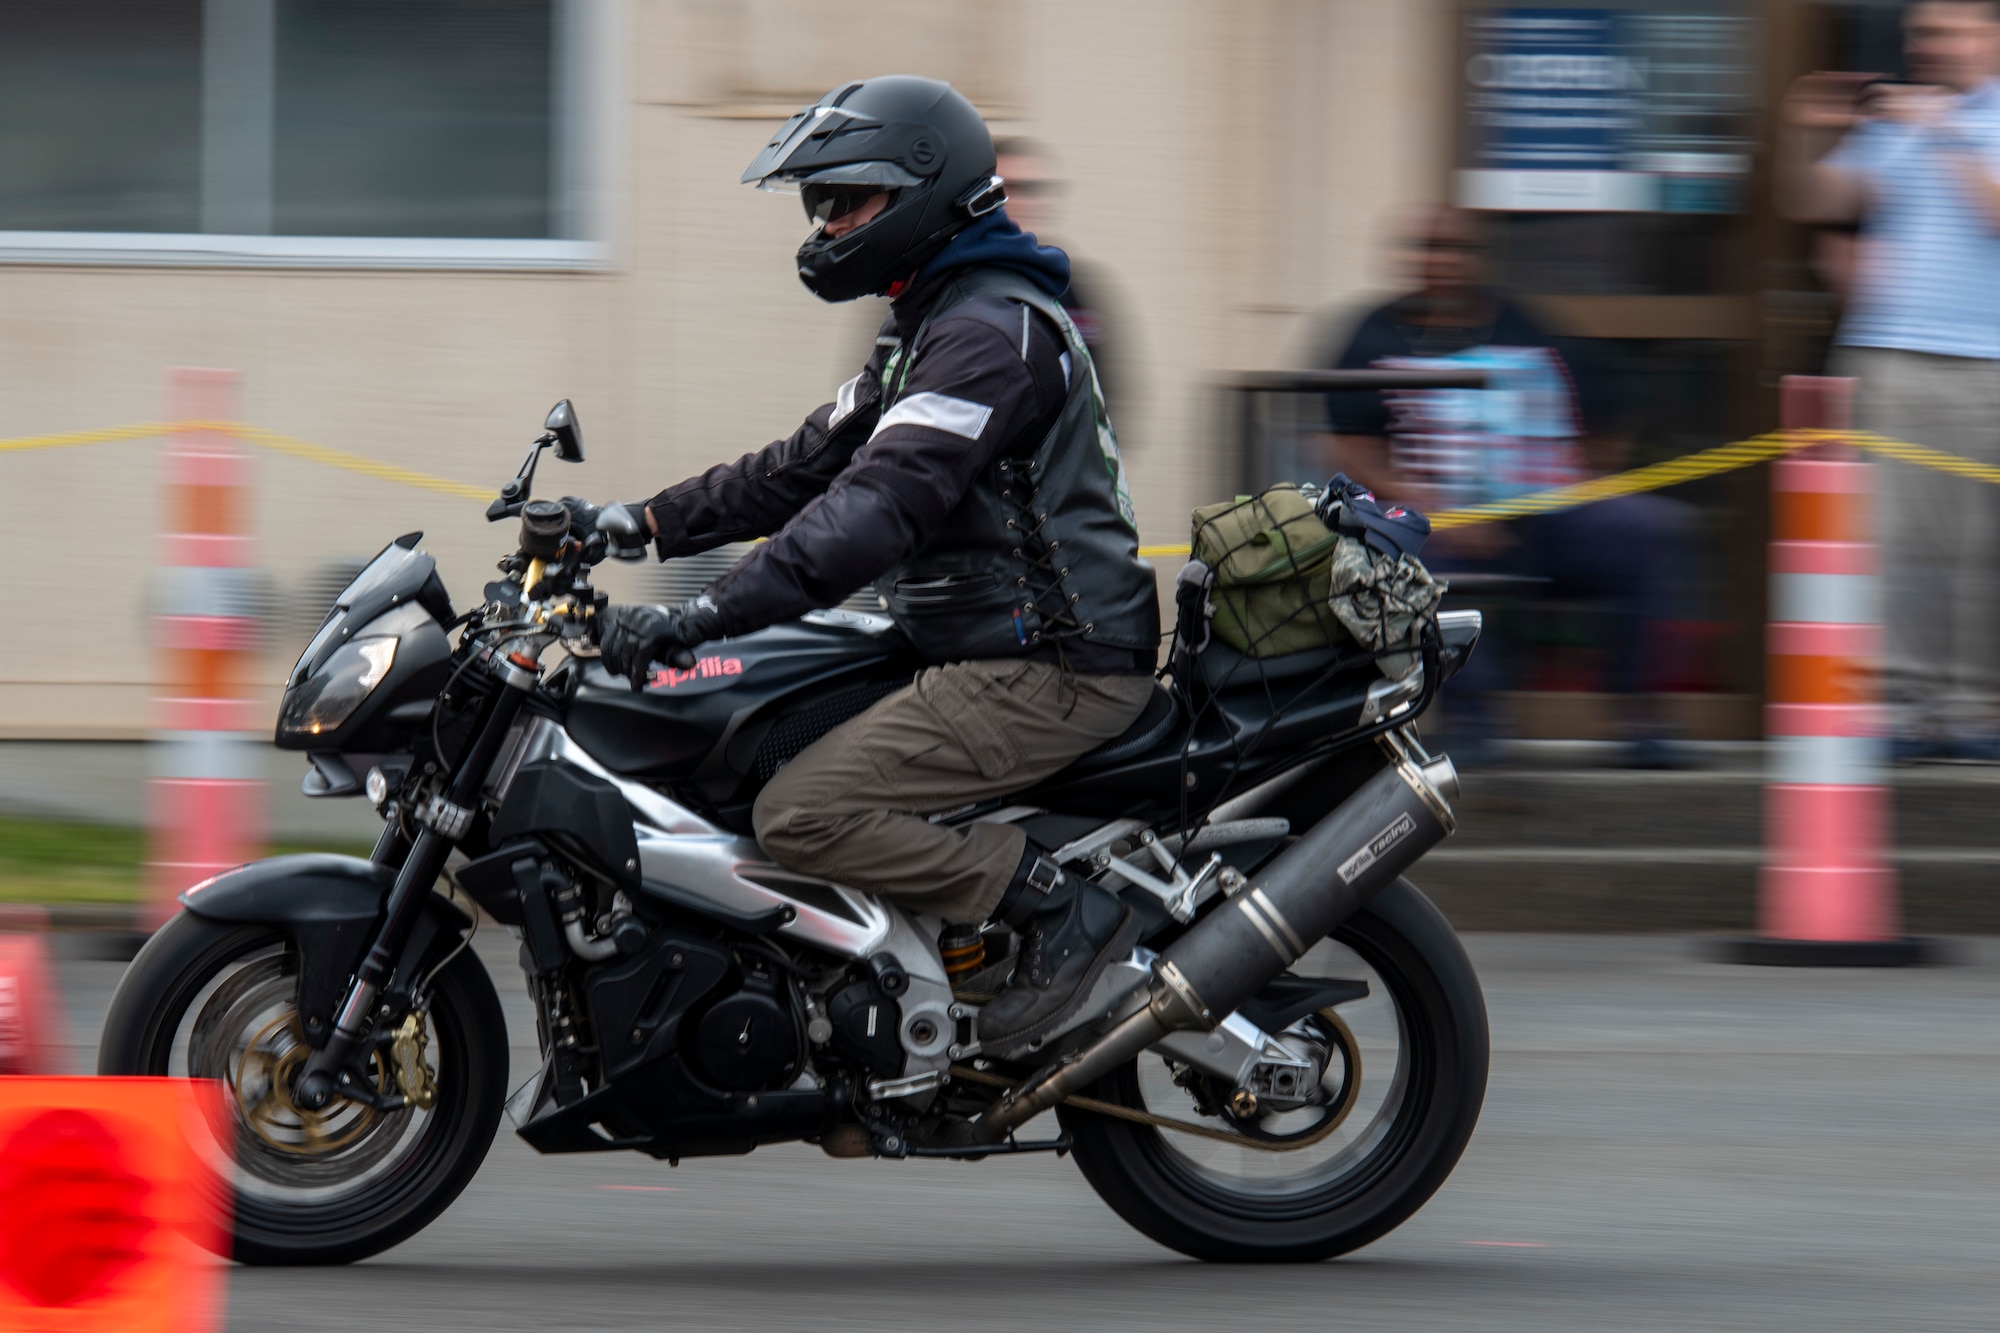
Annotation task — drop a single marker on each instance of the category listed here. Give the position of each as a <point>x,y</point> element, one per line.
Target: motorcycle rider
<point>970,471</point>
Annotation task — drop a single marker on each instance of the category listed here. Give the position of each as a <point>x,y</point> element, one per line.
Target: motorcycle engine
<point>866,1020</point>
<point>749,1040</point>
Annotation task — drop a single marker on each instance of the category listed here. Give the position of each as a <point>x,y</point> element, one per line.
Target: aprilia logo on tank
<point>673,678</point>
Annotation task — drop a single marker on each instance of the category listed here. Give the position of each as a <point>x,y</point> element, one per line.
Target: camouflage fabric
<point>1383,603</point>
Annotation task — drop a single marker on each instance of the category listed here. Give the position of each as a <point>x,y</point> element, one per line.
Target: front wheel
<point>219,1000</point>
<point>1405,1074</point>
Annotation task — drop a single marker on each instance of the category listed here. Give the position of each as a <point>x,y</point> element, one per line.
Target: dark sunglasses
<point>824,203</point>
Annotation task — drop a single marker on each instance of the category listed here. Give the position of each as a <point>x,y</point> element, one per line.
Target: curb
<point>79,932</point>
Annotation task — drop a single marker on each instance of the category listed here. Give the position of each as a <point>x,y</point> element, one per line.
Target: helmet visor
<point>874,175</point>
<point>824,203</point>
<point>834,192</point>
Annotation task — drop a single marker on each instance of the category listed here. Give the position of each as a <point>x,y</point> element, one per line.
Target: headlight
<point>337,689</point>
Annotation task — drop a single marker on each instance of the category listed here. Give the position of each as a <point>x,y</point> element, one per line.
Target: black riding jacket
<point>856,492</point>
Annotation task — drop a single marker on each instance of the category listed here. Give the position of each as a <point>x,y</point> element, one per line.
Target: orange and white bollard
<point>1828,893</point>
<point>207,801</point>
<point>27,1012</point>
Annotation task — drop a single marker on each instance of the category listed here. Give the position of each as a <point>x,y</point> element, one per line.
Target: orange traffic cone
<point>110,1217</point>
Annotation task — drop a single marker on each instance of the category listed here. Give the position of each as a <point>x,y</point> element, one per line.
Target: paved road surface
<point>1667,1144</point>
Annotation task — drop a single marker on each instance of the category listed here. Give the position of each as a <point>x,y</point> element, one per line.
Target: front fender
<point>329,906</point>
<point>311,887</point>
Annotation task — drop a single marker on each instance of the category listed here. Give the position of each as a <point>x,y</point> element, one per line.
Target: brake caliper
<point>413,1071</point>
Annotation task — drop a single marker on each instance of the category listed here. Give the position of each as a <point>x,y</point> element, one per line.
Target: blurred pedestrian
<point>1450,448</point>
<point>1920,163</point>
<point>1034,193</point>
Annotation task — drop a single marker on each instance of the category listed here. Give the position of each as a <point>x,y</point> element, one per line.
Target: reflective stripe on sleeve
<point>843,402</point>
<point>954,416</point>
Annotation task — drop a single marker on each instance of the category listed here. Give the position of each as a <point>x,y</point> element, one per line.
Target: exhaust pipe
<point>1234,952</point>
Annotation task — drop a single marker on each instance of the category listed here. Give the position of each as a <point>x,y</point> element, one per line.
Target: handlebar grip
<point>681,659</point>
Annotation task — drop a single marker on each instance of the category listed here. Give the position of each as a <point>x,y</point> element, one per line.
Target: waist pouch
<point>1280,581</point>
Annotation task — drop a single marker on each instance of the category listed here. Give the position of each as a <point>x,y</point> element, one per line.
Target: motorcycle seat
<point>1159,719</point>
<point>1220,669</point>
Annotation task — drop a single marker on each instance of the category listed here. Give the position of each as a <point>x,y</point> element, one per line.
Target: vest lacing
<point>1042,586</point>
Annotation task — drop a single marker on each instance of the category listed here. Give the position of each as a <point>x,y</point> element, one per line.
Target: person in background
<point>1033,194</point>
<point>1921,333</point>
<point>1442,449</point>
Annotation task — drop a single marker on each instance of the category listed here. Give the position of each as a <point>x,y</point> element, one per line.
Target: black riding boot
<point>1070,931</point>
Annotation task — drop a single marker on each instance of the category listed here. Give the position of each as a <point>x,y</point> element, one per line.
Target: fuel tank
<point>746,706</point>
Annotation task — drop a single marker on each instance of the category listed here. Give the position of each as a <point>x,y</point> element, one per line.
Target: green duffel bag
<point>1273,561</point>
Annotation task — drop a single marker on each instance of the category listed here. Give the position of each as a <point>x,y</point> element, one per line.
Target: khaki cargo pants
<point>1940,538</point>
<point>850,807</point>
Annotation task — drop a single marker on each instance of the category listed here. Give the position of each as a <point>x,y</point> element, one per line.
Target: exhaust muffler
<point>1234,952</point>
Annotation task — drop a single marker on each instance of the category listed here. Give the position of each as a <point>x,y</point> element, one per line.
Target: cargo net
<point>1281,575</point>
<point>1322,605</point>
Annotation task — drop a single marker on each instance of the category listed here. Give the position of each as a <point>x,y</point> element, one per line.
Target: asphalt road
<point>1667,1144</point>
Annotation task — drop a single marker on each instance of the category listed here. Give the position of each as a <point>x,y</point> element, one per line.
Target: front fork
<point>445,820</point>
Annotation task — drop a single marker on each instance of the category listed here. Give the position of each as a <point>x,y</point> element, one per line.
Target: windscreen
<point>397,573</point>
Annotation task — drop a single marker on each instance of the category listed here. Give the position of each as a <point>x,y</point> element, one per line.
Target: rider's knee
<point>787,829</point>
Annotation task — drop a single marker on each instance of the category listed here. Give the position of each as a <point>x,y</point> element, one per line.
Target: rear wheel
<point>218,1000</point>
<point>1405,1075</point>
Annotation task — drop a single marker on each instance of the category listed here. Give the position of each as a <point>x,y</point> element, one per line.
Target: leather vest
<point>1044,548</point>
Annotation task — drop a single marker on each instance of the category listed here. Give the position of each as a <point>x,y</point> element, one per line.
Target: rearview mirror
<point>562,425</point>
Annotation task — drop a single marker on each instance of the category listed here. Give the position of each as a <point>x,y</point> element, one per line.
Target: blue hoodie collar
<point>997,241</point>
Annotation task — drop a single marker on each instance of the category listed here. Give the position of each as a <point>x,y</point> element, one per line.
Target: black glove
<point>635,637</point>
<point>582,516</point>
<point>622,537</point>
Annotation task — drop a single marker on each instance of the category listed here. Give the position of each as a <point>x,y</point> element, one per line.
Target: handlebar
<point>546,595</point>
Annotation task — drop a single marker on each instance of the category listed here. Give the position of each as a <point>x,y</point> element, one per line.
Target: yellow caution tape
<point>1904,452</point>
<point>266,439</point>
<point>346,462</point>
<point>105,436</point>
<point>1678,471</point>
<point>1656,476</point>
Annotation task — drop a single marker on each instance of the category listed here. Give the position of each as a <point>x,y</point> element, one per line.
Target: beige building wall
<point>1235,167</point>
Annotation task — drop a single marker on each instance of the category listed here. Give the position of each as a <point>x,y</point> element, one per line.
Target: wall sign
<point>1601,110</point>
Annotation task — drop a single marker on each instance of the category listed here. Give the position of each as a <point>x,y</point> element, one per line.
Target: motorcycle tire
<point>1442,1014</point>
<point>314,1225</point>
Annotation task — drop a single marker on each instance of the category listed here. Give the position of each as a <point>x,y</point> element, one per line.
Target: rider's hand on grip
<point>635,637</point>
<point>582,515</point>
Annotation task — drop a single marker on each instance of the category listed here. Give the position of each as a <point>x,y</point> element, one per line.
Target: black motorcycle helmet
<point>916,139</point>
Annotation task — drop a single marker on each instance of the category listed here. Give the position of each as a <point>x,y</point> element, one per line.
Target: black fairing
<point>577,811</point>
<point>399,592</point>
<point>329,906</point>
<point>709,726</point>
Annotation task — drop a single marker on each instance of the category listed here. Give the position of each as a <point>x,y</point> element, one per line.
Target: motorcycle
<point>1286,1067</point>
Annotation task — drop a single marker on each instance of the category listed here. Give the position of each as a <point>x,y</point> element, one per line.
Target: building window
<point>299,131</point>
